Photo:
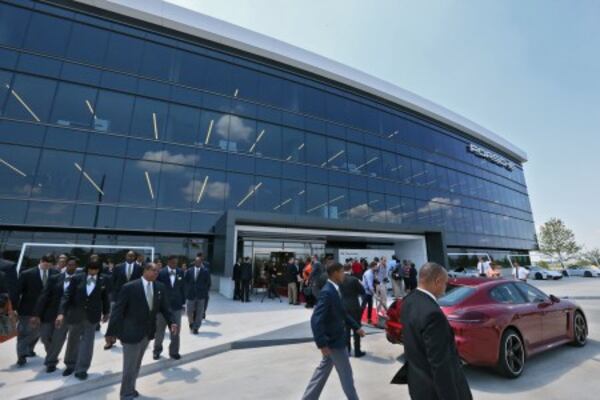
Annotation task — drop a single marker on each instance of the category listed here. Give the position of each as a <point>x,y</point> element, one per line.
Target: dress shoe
<point>108,346</point>
<point>156,356</point>
<point>359,354</point>
<point>136,393</point>
<point>67,371</point>
<point>32,354</point>
<point>21,361</point>
<point>50,368</point>
<point>82,376</point>
<point>175,356</point>
<point>195,331</point>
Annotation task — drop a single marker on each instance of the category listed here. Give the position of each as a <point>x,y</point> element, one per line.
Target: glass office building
<point>121,126</point>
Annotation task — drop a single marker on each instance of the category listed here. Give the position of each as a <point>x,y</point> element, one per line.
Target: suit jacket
<point>12,282</point>
<point>78,306</point>
<point>352,290</point>
<point>318,276</point>
<point>246,272</point>
<point>329,319</point>
<point>175,293</point>
<point>433,366</point>
<point>30,288</point>
<point>236,272</point>
<point>48,304</point>
<point>197,289</point>
<point>119,277</point>
<point>291,273</point>
<point>131,320</point>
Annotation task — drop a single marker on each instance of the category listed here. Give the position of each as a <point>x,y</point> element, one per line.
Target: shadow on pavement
<point>540,370</point>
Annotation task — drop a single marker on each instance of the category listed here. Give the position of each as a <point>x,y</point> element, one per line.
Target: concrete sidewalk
<point>227,323</point>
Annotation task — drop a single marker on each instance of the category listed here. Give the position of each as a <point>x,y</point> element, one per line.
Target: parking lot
<point>281,372</point>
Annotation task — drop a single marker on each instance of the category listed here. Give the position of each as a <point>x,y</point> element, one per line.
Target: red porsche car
<point>500,323</point>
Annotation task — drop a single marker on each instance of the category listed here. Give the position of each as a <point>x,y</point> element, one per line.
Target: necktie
<point>128,271</point>
<point>90,280</point>
<point>149,296</point>
<point>172,273</point>
<point>195,273</point>
<point>45,277</point>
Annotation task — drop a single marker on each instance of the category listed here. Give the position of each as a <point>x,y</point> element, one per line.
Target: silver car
<point>462,272</point>
<point>588,271</point>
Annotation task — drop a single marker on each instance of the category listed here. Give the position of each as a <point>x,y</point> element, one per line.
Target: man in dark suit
<point>246,277</point>
<point>47,310</point>
<point>172,278</point>
<point>237,281</point>
<point>83,305</point>
<point>12,280</point>
<point>197,285</point>
<point>291,273</point>
<point>432,364</point>
<point>207,266</point>
<point>318,276</point>
<point>329,331</point>
<point>30,287</point>
<point>133,321</point>
<point>128,271</point>
<point>351,290</point>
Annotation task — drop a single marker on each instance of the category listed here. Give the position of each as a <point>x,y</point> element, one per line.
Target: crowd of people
<point>60,302</point>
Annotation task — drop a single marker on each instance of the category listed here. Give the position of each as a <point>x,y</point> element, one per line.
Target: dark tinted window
<point>13,23</point>
<point>87,44</point>
<point>455,296</point>
<point>507,294</point>
<point>30,98</point>
<point>48,34</point>
<point>124,53</point>
<point>532,294</point>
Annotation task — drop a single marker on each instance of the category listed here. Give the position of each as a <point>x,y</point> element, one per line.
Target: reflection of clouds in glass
<point>383,216</point>
<point>359,212</point>
<point>27,189</point>
<point>238,131</point>
<point>439,203</point>
<point>55,209</point>
<point>166,157</point>
<point>217,190</point>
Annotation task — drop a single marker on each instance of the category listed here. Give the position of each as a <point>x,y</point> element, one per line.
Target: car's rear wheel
<point>580,330</point>
<point>538,276</point>
<point>587,274</point>
<point>512,354</point>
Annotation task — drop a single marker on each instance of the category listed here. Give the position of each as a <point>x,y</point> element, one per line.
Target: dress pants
<point>237,289</point>
<point>161,325</point>
<point>205,306</point>
<point>382,293</point>
<point>293,293</point>
<point>350,333</point>
<point>27,336</point>
<point>58,340</point>
<point>46,332</point>
<point>398,288</point>
<point>84,333</point>
<point>132,361</point>
<point>245,295</point>
<point>195,312</point>
<point>338,359</point>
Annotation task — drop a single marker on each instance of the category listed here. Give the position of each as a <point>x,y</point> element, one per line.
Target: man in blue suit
<point>328,324</point>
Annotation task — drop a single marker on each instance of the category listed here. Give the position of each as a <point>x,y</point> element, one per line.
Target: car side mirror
<point>554,299</point>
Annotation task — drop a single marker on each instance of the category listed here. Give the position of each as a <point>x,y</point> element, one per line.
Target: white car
<point>462,272</point>
<point>538,273</point>
<point>588,271</point>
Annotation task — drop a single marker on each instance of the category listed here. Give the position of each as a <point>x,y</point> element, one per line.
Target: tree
<point>556,240</point>
<point>592,256</point>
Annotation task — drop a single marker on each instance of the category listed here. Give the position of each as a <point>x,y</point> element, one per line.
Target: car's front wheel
<point>538,276</point>
<point>512,354</point>
<point>580,330</point>
<point>587,274</point>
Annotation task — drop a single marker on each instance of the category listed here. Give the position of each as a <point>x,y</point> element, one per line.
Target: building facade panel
<point>108,126</point>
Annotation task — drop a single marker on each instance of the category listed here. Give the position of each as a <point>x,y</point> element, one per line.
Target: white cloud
<point>166,157</point>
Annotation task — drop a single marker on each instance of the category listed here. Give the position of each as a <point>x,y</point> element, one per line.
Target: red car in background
<point>500,323</point>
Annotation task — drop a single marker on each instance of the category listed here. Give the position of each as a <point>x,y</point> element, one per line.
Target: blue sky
<point>527,70</point>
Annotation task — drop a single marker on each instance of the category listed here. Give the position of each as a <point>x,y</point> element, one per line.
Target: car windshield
<point>455,295</point>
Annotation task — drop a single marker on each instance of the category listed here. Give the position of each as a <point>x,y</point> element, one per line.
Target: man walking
<point>172,278</point>
<point>329,331</point>
<point>197,285</point>
<point>128,271</point>
<point>206,265</point>
<point>31,284</point>
<point>46,311</point>
<point>237,281</point>
<point>292,281</point>
<point>245,277</point>
<point>351,290</point>
<point>84,304</point>
<point>133,321</point>
<point>432,363</point>
<point>318,277</point>
<point>368,282</point>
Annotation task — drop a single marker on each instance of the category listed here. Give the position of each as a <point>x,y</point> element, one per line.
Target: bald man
<point>432,363</point>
